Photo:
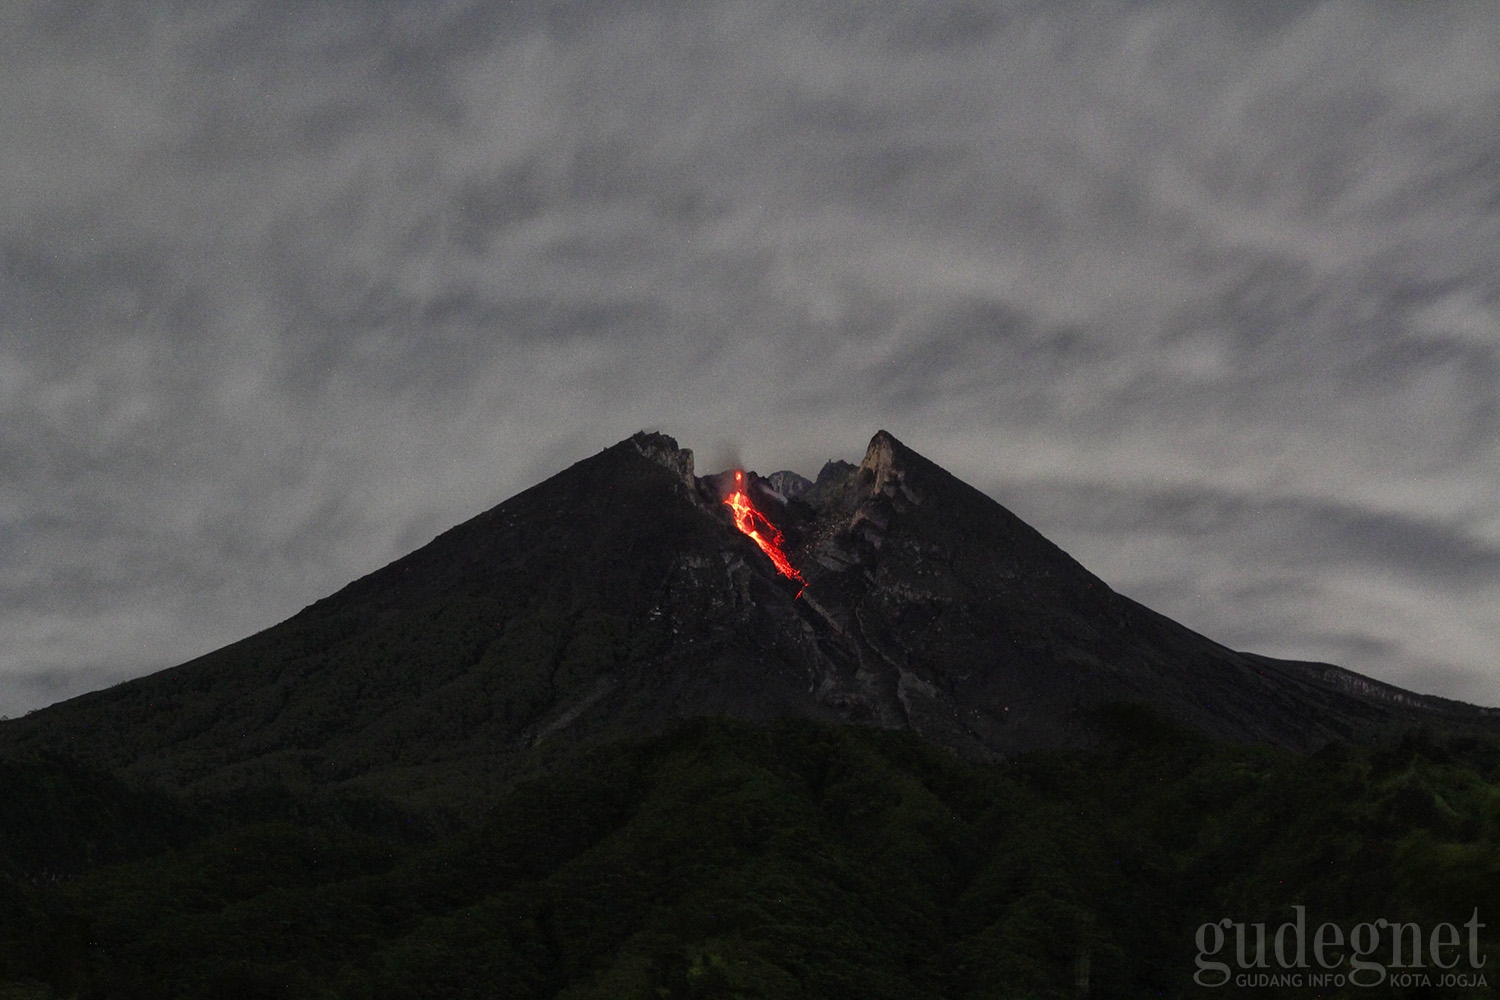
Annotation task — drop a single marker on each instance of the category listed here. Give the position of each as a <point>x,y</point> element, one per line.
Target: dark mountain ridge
<point>618,596</point>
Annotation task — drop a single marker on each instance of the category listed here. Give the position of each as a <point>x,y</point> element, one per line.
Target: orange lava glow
<point>753,523</point>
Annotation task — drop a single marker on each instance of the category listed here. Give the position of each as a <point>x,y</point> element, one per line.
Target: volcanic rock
<point>618,596</point>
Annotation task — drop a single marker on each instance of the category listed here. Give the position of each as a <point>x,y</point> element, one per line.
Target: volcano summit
<point>627,591</point>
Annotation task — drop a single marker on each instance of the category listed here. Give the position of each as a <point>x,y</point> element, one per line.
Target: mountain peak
<point>619,595</point>
<point>663,450</point>
<point>882,463</point>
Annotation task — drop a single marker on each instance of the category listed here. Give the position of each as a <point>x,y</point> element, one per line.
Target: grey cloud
<point>1289,528</point>
<point>1285,575</point>
<point>22,692</point>
<point>286,290</point>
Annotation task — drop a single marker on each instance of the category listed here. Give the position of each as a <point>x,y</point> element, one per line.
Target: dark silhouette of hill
<point>618,596</point>
<point>801,861</point>
<point>485,770</point>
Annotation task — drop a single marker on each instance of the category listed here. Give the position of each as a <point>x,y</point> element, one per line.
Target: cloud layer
<point>1207,294</point>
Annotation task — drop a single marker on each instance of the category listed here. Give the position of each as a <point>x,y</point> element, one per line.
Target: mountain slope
<point>801,861</point>
<point>991,633</point>
<point>618,595</point>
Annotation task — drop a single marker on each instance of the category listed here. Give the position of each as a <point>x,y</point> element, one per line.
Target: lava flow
<point>753,523</point>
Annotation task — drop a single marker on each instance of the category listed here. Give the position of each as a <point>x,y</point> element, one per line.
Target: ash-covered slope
<point>618,595</point>
<point>980,631</point>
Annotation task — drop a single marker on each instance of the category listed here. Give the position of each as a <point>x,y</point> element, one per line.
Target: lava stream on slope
<point>765,534</point>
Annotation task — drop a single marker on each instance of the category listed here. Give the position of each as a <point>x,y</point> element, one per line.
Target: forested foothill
<point>721,859</point>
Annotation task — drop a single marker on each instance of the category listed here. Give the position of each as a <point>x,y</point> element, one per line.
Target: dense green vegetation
<point>723,860</point>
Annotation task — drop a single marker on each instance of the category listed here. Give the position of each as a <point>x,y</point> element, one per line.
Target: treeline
<point>725,860</point>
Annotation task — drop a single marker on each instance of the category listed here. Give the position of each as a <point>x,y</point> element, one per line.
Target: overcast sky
<point>1207,292</point>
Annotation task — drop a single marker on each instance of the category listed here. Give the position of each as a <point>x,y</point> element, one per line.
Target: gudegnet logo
<point>1373,953</point>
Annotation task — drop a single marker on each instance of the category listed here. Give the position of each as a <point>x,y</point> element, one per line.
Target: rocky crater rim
<point>880,461</point>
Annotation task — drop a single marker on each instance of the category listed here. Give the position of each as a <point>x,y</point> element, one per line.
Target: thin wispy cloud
<point>1204,291</point>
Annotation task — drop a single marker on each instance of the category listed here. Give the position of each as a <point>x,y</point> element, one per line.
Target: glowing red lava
<point>753,523</point>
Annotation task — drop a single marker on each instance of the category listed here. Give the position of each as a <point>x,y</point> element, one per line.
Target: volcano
<point>627,592</point>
